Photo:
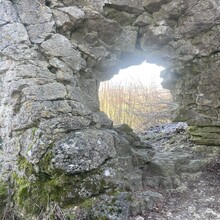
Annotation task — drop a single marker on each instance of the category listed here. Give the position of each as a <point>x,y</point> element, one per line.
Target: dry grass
<point>135,104</point>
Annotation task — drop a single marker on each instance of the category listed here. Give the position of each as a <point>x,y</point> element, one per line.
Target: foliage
<point>138,105</point>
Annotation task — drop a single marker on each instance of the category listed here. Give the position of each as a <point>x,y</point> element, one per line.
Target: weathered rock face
<point>53,54</point>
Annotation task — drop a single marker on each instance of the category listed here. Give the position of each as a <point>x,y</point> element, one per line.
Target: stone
<point>83,151</point>
<point>111,207</point>
<point>51,91</point>
<point>195,166</point>
<point>76,15</point>
<point>62,20</point>
<point>143,20</point>
<point>26,75</point>
<point>122,17</point>
<point>79,109</point>
<point>9,14</point>
<point>131,6</point>
<point>205,134</point>
<point>31,112</point>
<point>20,52</point>
<point>54,47</point>
<point>153,5</point>
<point>128,39</point>
<point>39,32</point>
<point>102,120</point>
<point>33,12</point>
<point>54,3</point>
<point>162,33</point>
<point>11,34</point>
<point>68,18</point>
<point>139,218</point>
<point>108,31</point>
<point>147,200</point>
<point>141,157</point>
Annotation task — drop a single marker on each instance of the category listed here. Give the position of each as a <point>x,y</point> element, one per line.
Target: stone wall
<point>53,55</point>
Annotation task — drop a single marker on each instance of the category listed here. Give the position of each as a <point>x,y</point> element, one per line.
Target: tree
<point>135,103</point>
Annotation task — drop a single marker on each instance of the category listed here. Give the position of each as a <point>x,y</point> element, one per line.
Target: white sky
<point>147,73</point>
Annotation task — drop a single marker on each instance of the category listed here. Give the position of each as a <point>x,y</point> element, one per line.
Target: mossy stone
<point>35,191</point>
<point>3,197</point>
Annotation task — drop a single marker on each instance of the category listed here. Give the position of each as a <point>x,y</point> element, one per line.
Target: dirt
<point>200,201</point>
<point>197,196</point>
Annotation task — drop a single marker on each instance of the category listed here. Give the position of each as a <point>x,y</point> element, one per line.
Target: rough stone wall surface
<point>53,54</point>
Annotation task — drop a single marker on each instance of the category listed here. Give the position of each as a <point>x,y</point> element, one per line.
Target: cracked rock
<point>83,151</point>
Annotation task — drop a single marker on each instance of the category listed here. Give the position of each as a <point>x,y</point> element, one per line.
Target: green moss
<point>126,128</point>
<point>27,196</point>
<point>206,135</point>
<point>87,204</point>
<point>3,196</point>
<point>71,217</point>
<point>35,196</point>
<point>45,163</point>
<point>30,147</point>
<point>194,70</point>
<point>34,130</point>
<point>25,166</point>
<point>36,190</point>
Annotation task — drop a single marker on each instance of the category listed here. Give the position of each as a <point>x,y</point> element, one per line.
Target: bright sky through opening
<point>147,73</point>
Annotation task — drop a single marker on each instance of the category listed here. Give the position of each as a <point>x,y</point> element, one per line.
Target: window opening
<point>135,97</point>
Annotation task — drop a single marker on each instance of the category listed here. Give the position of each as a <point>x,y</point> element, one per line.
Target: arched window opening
<point>135,97</point>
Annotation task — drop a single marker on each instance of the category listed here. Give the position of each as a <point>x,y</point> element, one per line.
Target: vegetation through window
<point>136,97</point>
